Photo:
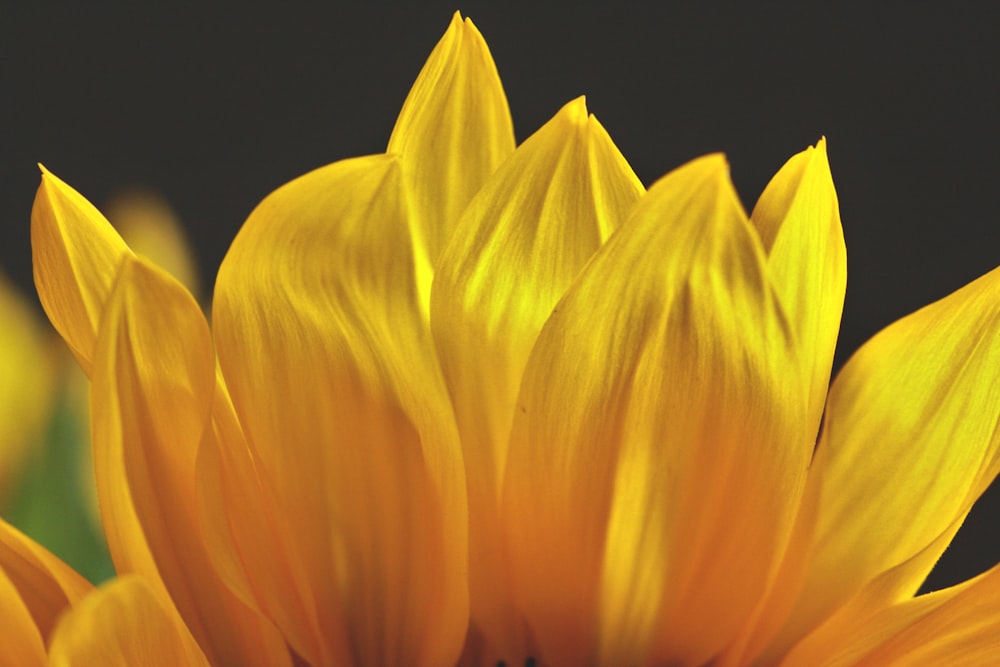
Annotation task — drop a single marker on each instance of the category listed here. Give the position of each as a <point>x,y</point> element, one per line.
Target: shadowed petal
<point>798,220</point>
<point>22,642</point>
<point>123,624</point>
<point>44,583</point>
<point>517,248</point>
<point>335,380</point>
<point>657,424</point>
<point>153,382</point>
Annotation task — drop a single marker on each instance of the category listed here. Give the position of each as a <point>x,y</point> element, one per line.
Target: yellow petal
<point>26,384</point>
<point>76,254</point>
<point>151,228</point>
<point>19,636</point>
<point>516,249</point>
<point>453,131</point>
<point>658,448</point>
<point>153,383</point>
<point>334,378</point>
<point>798,219</point>
<point>955,626</point>
<point>123,624</point>
<point>250,543</point>
<point>44,583</point>
<point>910,441</point>
<point>244,531</point>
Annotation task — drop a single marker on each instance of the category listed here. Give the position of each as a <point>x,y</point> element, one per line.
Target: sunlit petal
<point>516,249</point>
<point>656,428</point>
<point>123,624</point>
<point>326,355</point>
<point>452,133</point>
<point>910,442</point>
<point>798,219</point>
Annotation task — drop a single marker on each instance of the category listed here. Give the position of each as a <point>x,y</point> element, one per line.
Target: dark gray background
<point>216,107</point>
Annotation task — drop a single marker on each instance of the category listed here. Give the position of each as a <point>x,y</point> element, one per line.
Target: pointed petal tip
<point>463,23</point>
<point>574,113</point>
<point>714,166</point>
<point>819,147</point>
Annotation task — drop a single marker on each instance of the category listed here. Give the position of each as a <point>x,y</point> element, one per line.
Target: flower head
<point>465,404</point>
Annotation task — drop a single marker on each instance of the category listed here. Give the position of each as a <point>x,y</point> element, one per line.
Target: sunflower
<point>463,404</point>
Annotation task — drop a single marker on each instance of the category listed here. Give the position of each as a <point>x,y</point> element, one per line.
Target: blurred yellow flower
<point>150,227</point>
<point>26,384</point>
<point>463,404</point>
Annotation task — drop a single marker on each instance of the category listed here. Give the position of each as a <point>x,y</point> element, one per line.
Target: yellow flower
<point>464,404</point>
<point>27,367</point>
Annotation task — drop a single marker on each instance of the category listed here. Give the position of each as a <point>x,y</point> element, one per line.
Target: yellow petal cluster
<point>468,404</point>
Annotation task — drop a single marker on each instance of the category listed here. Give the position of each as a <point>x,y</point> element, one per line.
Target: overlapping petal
<point>453,131</point>
<point>798,219</point>
<point>612,456</point>
<point>334,378</point>
<point>515,251</point>
<point>656,426</point>
<point>22,642</point>
<point>956,626</point>
<point>153,381</point>
<point>910,441</point>
<point>43,583</point>
<point>133,625</point>
<point>77,260</point>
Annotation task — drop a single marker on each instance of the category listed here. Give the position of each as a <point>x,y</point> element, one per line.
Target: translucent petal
<point>518,246</point>
<point>123,624</point>
<point>453,131</point>
<point>658,449</point>
<point>335,380</point>
<point>910,441</point>
<point>153,383</point>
